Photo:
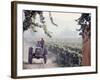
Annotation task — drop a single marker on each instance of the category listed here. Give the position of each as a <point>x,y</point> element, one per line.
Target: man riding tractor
<point>40,52</point>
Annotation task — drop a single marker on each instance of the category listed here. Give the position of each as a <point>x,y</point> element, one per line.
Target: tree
<point>85,31</point>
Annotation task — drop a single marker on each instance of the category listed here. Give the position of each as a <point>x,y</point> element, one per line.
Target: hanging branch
<point>29,21</point>
<point>51,18</point>
<point>42,20</point>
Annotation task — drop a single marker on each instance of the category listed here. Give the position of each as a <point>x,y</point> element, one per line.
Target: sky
<point>66,26</point>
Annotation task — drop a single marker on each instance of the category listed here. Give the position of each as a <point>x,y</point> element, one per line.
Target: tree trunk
<point>86,59</point>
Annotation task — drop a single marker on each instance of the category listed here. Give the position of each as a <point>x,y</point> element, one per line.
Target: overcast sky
<point>66,26</point>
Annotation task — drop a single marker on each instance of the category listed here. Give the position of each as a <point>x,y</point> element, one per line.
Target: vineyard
<point>68,54</point>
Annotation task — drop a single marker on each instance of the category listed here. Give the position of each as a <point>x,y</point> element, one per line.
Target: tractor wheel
<point>45,59</point>
<point>30,55</point>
